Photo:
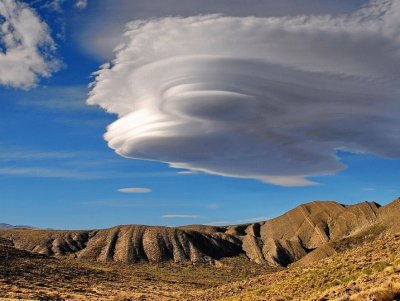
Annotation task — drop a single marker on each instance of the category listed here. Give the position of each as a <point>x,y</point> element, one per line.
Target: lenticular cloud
<point>266,98</point>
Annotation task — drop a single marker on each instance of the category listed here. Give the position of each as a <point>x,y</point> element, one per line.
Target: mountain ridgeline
<point>307,233</point>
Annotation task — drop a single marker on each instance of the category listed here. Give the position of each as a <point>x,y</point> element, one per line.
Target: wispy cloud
<point>52,164</point>
<point>368,189</point>
<point>135,190</point>
<point>74,173</point>
<point>57,5</point>
<point>188,172</point>
<point>182,216</point>
<point>124,203</point>
<point>38,163</point>
<point>63,173</point>
<point>41,172</point>
<point>65,98</point>
<point>12,154</point>
<point>213,206</point>
<point>120,203</point>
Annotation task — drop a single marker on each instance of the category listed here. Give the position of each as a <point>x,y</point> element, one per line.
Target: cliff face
<point>308,231</point>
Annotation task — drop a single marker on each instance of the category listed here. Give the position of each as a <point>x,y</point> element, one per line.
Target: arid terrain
<point>317,251</point>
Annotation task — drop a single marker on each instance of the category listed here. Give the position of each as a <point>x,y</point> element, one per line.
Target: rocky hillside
<point>309,232</point>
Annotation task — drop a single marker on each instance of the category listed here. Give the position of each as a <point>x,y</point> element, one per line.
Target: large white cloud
<point>265,98</point>
<point>26,47</point>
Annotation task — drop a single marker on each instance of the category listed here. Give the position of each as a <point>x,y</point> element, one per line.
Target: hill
<point>307,231</point>
<point>8,226</point>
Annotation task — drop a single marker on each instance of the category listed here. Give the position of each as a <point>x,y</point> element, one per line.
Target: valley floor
<point>36,277</point>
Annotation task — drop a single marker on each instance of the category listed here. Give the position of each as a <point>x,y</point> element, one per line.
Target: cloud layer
<point>271,99</point>
<point>26,48</point>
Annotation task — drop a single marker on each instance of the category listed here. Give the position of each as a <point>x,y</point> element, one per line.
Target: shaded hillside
<point>309,231</point>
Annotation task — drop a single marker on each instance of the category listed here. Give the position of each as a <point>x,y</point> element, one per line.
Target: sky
<point>176,112</point>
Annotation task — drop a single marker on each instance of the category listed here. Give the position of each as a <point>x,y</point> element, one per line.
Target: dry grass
<point>370,271</point>
<point>388,291</point>
<point>38,277</point>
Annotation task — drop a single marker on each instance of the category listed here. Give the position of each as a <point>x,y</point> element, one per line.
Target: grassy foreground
<point>370,271</point>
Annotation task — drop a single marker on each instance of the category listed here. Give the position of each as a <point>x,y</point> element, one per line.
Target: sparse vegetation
<point>39,277</point>
<point>369,271</point>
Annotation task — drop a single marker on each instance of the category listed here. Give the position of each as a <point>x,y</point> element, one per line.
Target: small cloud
<point>81,4</point>
<point>135,190</point>
<point>252,220</point>
<point>213,206</point>
<point>368,189</point>
<point>188,172</point>
<point>219,223</point>
<point>181,216</point>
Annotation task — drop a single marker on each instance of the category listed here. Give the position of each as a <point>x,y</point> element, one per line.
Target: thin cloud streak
<point>66,165</point>
<point>368,189</point>
<point>134,190</point>
<point>213,206</point>
<point>15,154</point>
<point>68,99</point>
<point>253,219</point>
<point>220,223</point>
<point>75,174</point>
<point>182,216</point>
<point>134,204</point>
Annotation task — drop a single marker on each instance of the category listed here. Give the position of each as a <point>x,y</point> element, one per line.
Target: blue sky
<point>57,171</point>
